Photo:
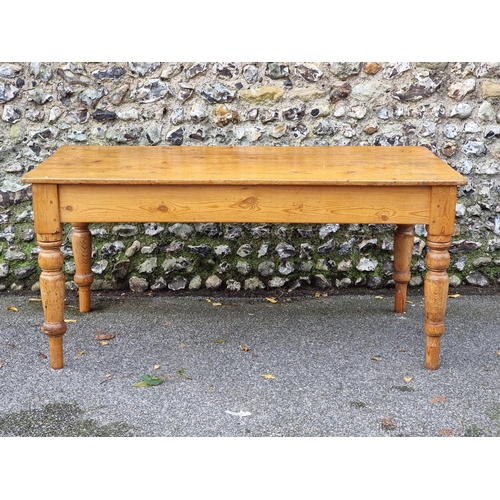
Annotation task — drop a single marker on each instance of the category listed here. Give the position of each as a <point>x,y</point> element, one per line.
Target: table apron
<point>244,203</point>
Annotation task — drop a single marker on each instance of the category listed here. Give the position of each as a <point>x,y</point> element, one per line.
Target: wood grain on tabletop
<point>339,165</point>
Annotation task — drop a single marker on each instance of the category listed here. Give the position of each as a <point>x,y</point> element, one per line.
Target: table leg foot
<point>435,296</point>
<point>82,251</point>
<point>404,238</point>
<point>52,291</point>
<point>56,352</point>
<point>432,350</point>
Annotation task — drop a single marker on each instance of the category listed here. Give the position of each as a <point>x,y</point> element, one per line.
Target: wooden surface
<point>384,185</point>
<point>232,203</point>
<point>245,165</point>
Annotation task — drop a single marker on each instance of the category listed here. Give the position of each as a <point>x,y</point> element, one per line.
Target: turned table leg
<point>50,259</point>
<point>404,237</point>
<point>439,232</point>
<point>52,290</point>
<point>436,295</point>
<point>82,252</point>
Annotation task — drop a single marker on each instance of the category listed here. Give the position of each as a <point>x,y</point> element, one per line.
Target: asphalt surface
<point>343,365</point>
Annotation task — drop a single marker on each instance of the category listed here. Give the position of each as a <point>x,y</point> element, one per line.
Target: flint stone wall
<point>451,108</point>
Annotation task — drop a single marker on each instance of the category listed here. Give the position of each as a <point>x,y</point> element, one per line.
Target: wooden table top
<point>245,165</point>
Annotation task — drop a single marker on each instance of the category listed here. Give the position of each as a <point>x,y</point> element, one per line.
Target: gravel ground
<point>302,366</point>
<point>331,367</point>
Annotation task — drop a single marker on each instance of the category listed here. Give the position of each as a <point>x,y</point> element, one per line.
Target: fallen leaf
<point>387,423</point>
<point>409,302</point>
<point>181,346</point>
<point>447,432</point>
<point>220,341</point>
<point>12,308</point>
<point>80,352</point>
<point>105,336</point>
<point>216,304</point>
<point>379,297</point>
<point>167,324</point>
<point>375,358</point>
<point>108,375</point>
<point>454,295</point>
<point>148,380</point>
<point>156,367</point>
<point>41,355</point>
<point>317,294</point>
<point>244,348</point>
<point>268,375</point>
<point>408,379</point>
<point>70,320</point>
<point>208,300</point>
<point>181,373</point>
<point>498,353</point>
<point>104,342</point>
<point>439,399</point>
<point>0,363</point>
<point>34,300</point>
<point>271,299</point>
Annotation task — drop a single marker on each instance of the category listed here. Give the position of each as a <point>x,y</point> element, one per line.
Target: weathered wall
<point>452,108</point>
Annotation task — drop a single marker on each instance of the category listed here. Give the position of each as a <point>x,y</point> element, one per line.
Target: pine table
<point>400,185</point>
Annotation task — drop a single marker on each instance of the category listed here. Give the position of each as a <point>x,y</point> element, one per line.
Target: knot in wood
<point>249,202</point>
